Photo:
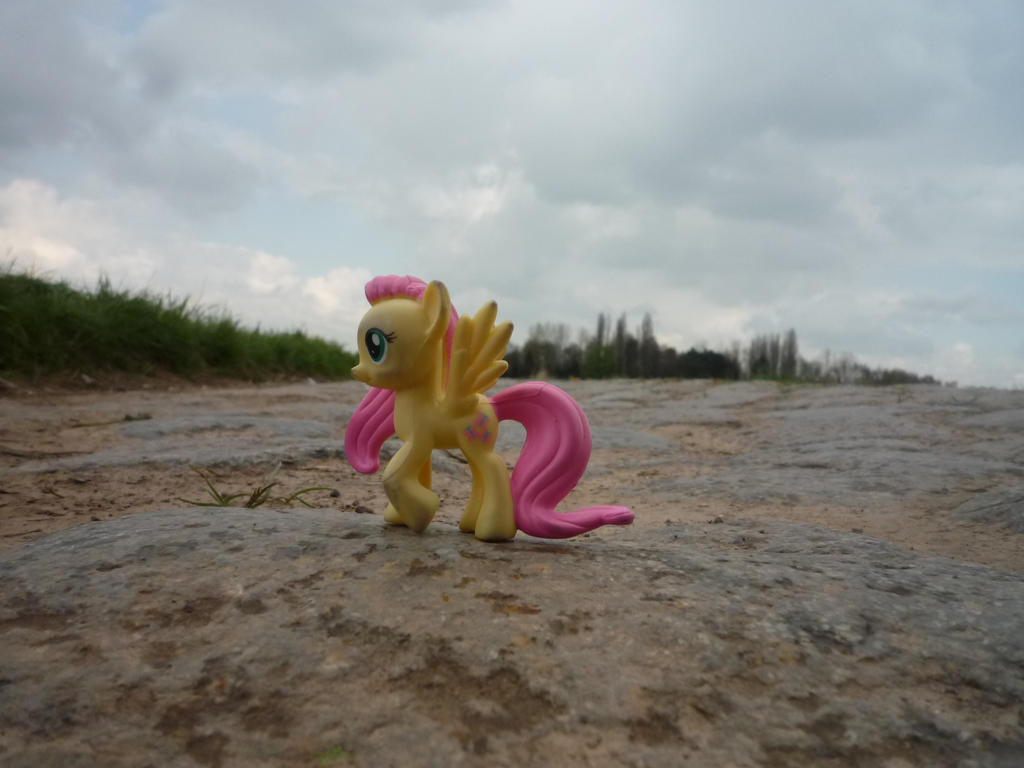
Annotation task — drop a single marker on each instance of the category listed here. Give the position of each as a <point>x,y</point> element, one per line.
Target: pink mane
<point>407,286</point>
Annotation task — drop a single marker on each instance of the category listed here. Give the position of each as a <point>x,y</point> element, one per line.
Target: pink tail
<point>552,461</point>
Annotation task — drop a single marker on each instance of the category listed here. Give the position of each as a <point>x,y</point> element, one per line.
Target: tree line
<point>614,351</point>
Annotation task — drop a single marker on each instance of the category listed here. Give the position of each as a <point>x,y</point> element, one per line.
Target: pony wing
<point>476,361</point>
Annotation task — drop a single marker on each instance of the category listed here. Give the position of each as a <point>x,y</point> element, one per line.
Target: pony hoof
<point>392,516</point>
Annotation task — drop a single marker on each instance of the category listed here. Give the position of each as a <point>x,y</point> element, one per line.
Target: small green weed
<point>106,422</point>
<point>258,496</point>
<point>219,499</point>
<point>328,756</point>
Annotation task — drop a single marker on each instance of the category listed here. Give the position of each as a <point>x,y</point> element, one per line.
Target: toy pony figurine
<point>428,369</point>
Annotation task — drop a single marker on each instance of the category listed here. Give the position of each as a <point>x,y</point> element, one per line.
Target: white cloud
<point>469,198</point>
<point>595,223</point>
<point>199,168</point>
<point>338,298</point>
<point>80,240</point>
<point>57,86</point>
<point>67,237</point>
<point>853,171</point>
<point>270,274</point>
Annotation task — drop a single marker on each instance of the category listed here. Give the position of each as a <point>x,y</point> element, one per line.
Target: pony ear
<point>438,307</point>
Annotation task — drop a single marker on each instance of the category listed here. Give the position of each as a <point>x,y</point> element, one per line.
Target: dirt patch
<point>735,452</point>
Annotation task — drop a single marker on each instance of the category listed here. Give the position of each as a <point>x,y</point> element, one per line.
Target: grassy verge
<point>48,329</point>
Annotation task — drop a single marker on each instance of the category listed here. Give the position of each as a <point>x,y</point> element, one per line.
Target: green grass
<point>49,328</point>
<point>333,755</point>
<point>257,496</point>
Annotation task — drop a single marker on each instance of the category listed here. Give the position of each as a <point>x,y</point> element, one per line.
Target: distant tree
<point>811,370</point>
<point>631,362</point>
<point>598,362</point>
<point>723,366</point>
<point>547,352</point>
<point>774,353</point>
<point>844,370</point>
<point>599,356</point>
<point>706,364</point>
<point>764,356</point>
<point>536,354</point>
<point>619,345</point>
<point>758,359</point>
<point>516,369</point>
<point>572,362</point>
<point>545,348</point>
<point>668,361</point>
<point>649,351</point>
<point>735,354</point>
<point>600,339</point>
<point>788,358</point>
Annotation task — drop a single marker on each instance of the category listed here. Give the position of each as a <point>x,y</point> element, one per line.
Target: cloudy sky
<point>852,170</point>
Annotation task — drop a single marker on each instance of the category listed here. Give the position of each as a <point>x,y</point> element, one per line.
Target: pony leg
<point>391,514</point>
<point>490,514</point>
<point>413,504</point>
<point>476,497</point>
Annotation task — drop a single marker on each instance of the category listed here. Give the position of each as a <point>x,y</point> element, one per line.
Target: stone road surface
<point>711,633</point>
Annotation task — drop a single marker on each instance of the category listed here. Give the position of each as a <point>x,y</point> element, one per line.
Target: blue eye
<point>377,344</point>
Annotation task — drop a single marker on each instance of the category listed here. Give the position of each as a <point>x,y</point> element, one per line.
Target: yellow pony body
<point>402,348</point>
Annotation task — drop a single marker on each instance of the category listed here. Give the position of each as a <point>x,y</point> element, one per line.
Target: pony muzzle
<point>360,373</point>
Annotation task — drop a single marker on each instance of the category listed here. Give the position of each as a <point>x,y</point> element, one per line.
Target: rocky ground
<point>817,576</point>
